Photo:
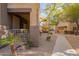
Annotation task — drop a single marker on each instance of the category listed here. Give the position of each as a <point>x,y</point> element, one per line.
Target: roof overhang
<point>19,10</point>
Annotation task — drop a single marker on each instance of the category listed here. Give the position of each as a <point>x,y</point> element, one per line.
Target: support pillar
<point>34,27</point>
<point>3,15</point>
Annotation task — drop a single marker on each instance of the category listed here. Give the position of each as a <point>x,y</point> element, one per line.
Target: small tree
<point>72,11</point>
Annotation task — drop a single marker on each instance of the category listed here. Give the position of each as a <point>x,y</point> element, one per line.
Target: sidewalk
<point>45,48</point>
<point>57,46</point>
<point>62,47</point>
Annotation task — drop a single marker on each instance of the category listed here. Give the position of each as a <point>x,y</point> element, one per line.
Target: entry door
<point>16,22</point>
<point>24,26</point>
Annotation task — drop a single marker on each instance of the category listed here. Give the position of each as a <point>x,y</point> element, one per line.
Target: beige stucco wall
<point>33,13</point>
<point>3,15</point>
<point>69,26</point>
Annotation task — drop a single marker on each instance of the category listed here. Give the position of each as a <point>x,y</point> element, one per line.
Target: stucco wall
<point>33,13</point>
<point>3,15</point>
<point>69,26</point>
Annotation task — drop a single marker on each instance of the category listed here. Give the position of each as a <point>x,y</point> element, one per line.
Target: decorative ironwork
<point>22,33</point>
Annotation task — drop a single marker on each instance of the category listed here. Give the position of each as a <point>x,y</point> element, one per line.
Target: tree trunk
<point>77,28</point>
<point>13,51</point>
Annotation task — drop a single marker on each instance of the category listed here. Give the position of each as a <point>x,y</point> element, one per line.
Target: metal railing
<point>22,33</point>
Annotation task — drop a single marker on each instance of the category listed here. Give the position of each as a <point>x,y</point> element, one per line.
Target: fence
<point>22,33</point>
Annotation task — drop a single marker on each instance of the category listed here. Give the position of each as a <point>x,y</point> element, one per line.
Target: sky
<point>42,7</point>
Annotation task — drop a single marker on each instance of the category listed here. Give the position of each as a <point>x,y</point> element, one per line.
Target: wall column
<point>34,28</point>
<point>3,15</point>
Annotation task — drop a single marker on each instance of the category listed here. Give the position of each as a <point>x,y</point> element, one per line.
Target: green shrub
<point>48,38</point>
<point>29,44</point>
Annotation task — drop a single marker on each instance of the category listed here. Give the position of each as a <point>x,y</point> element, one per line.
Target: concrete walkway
<point>62,47</point>
<point>58,45</point>
<point>45,48</point>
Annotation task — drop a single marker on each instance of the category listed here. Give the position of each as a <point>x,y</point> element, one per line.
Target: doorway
<point>19,26</point>
<point>19,20</point>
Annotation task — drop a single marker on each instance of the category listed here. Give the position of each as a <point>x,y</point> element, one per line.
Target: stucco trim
<point>19,10</point>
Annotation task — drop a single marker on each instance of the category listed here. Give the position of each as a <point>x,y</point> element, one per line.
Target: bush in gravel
<point>29,44</point>
<point>8,38</point>
<point>49,36</point>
